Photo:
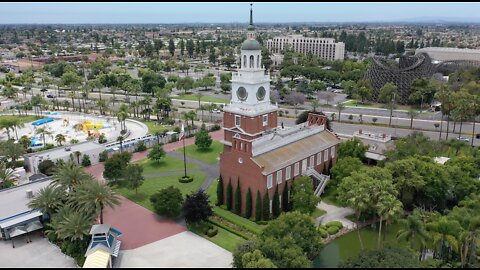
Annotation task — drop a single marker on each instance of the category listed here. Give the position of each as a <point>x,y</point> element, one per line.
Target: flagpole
<point>184,158</point>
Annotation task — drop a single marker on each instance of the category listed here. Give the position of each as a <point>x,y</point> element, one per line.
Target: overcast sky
<point>179,12</point>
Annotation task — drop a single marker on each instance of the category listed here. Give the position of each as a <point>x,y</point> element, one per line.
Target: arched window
<point>251,61</point>
<point>244,61</point>
<point>258,61</point>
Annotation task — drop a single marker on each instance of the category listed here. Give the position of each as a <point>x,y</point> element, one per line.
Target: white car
<point>463,139</point>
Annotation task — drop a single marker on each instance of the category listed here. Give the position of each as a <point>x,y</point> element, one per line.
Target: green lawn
<point>208,156</point>
<point>23,119</point>
<point>153,184</point>
<point>203,99</point>
<point>224,238</point>
<point>154,127</point>
<point>167,164</point>
<point>317,213</point>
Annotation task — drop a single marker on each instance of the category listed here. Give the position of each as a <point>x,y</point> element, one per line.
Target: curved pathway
<point>335,213</point>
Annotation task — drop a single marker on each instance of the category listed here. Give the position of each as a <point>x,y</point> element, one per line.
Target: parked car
<point>50,96</point>
<point>463,139</point>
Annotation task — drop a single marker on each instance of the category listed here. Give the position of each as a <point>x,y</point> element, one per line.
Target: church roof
<point>281,157</point>
<point>251,45</point>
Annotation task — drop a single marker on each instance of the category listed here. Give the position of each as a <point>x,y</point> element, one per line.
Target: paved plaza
<point>185,249</point>
<point>38,253</point>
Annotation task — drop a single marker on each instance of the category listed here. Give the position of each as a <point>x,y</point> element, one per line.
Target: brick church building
<point>257,152</point>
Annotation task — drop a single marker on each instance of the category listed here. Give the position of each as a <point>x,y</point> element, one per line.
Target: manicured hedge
<point>184,179</point>
<point>337,224</point>
<point>229,229</point>
<point>333,230</point>
<point>323,233</point>
<point>212,232</point>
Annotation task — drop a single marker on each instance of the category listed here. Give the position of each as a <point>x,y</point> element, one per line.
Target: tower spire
<point>251,14</point>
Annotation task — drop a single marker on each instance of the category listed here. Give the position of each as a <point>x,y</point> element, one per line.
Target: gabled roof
<point>287,155</point>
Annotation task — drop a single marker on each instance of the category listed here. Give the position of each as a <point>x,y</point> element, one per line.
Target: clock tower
<point>250,112</point>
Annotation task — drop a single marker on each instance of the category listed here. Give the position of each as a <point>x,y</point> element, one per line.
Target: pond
<point>348,246</point>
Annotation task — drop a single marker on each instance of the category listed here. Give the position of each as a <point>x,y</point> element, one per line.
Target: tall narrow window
<point>325,155</point>
<point>332,152</point>
<point>288,173</point>
<point>319,158</point>
<point>269,181</point>
<point>279,177</point>
<point>251,61</point>
<point>244,61</point>
<point>258,61</point>
<point>265,120</point>
<point>312,158</point>
<point>237,120</point>
<point>296,169</point>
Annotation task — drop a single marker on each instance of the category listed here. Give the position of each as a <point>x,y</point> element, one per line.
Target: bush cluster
<point>185,179</point>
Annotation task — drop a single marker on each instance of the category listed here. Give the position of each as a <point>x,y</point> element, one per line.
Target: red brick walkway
<point>139,225</point>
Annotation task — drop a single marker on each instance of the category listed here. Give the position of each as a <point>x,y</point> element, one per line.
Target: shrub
<point>86,161</point>
<point>212,232</point>
<point>337,224</point>
<point>49,146</point>
<point>203,140</point>
<point>177,129</point>
<point>174,138</point>
<point>185,179</point>
<point>215,127</point>
<point>46,167</point>
<point>140,146</point>
<point>157,153</point>
<point>197,207</point>
<point>333,230</point>
<point>323,232</point>
<point>262,222</point>
<point>103,156</point>
<point>220,191</point>
<point>167,202</point>
<point>323,227</point>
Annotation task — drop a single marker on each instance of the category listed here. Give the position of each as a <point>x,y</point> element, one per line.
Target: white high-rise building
<point>325,48</point>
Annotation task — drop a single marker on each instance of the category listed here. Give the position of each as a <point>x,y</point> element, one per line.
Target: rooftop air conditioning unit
<point>29,193</point>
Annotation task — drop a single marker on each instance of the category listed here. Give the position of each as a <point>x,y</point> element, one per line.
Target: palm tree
<point>412,114</point>
<point>120,140</point>
<point>44,132</point>
<point>6,174</point>
<point>388,207</point>
<point>414,231</point>
<point>11,150</point>
<point>77,155</point>
<point>444,235</point>
<point>47,200</point>
<point>75,226</point>
<point>340,108</point>
<point>92,196</point>
<point>59,138</point>
<point>444,95</point>
<point>7,124</point>
<point>315,104</point>
<point>69,175</point>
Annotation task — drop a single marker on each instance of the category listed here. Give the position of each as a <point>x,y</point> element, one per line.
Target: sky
<point>231,12</point>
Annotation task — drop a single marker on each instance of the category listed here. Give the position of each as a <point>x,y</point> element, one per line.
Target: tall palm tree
<point>444,95</point>
<point>11,150</point>
<point>59,138</point>
<point>388,207</point>
<point>92,197</point>
<point>120,140</point>
<point>414,231</point>
<point>6,174</point>
<point>340,108</point>
<point>7,125</point>
<point>69,175</point>
<point>412,113</point>
<point>44,132</point>
<point>475,112</point>
<point>444,235</point>
<point>47,200</point>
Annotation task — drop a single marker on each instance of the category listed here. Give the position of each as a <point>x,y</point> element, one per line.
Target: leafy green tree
<point>241,249</point>
<point>186,83</point>
<point>352,148</point>
<point>115,167</point>
<point>157,153</point>
<point>229,195</point>
<point>303,197</point>
<point>390,257</point>
<point>92,196</point>
<point>344,168</point>
<point>248,204</point>
<point>197,207</point>
<point>258,207</point>
<point>238,199</point>
<point>46,167</point>
<point>203,140</point>
<point>364,90</point>
<point>11,150</point>
<point>86,161</point>
<point>167,202</point>
<point>133,176</point>
<point>171,47</point>
<point>220,191</point>
<point>256,259</point>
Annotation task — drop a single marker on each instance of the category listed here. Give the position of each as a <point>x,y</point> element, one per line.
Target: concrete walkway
<point>212,170</point>
<point>185,249</point>
<point>335,213</point>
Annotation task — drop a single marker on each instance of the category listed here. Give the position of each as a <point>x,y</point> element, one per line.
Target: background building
<point>325,48</point>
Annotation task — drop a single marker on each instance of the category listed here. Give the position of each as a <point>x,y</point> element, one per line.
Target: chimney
<point>29,193</point>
